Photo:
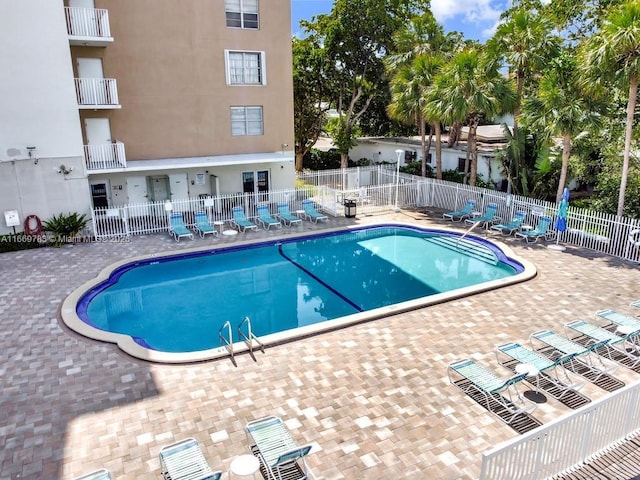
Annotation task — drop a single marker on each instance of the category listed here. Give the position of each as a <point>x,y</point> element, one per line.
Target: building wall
<point>168,60</point>
<point>39,110</point>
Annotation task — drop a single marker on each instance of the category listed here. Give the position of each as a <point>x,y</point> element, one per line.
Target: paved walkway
<point>374,396</point>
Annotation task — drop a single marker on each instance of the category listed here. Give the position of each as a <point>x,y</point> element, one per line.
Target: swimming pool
<point>171,308</point>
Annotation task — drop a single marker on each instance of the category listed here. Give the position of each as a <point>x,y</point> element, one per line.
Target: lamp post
<point>399,152</point>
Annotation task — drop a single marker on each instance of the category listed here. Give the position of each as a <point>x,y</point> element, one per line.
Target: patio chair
<point>512,226</point>
<point>286,216</point>
<point>202,226</point>
<point>311,213</point>
<point>487,218</point>
<point>492,388</point>
<point>240,220</point>
<point>541,231</point>
<point>618,319</point>
<point>542,364</point>
<point>184,460</point>
<point>177,228</point>
<point>582,361</point>
<point>615,346</point>
<point>101,474</point>
<point>265,218</point>
<point>464,212</point>
<point>280,456</point>
<point>635,304</point>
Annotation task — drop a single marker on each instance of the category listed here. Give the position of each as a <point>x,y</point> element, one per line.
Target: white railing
<point>105,156</point>
<point>93,92</point>
<point>568,441</point>
<point>88,22</point>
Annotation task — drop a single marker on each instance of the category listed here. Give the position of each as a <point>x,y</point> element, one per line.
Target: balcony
<point>97,93</point>
<point>106,156</point>
<point>88,26</point>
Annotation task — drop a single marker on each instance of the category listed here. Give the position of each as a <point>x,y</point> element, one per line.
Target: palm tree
<point>612,55</point>
<point>561,109</point>
<point>468,89</point>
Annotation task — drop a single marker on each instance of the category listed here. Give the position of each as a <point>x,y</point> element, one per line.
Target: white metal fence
<point>104,156</point>
<point>97,91</point>
<point>378,189</point>
<point>87,22</point>
<point>567,441</point>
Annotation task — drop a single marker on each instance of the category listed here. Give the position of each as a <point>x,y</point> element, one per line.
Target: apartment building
<point>107,103</point>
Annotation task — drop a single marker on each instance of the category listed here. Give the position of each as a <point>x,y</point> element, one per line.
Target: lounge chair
<point>542,364</point>
<point>464,212</point>
<point>265,218</point>
<point>286,216</point>
<point>311,213</point>
<point>615,346</point>
<point>635,304</point>
<point>582,361</point>
<point>541,230</point>
<point>101,474</point>
<point>512,226</point>
<point>491,387</point>
<point>240,220</point>
<point>619,319</point>
<point>184,460</point>
<point>177,228</point>
<point>202,226</point>
<point>487,218</point>
<point>280,456</point>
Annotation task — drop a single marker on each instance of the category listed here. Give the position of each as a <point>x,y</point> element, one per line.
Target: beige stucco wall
<point>168,60</point>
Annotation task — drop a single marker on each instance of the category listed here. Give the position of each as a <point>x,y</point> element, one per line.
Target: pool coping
<point>128,345</point>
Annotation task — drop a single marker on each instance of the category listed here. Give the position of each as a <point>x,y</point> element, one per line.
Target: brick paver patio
<point>374,396</point>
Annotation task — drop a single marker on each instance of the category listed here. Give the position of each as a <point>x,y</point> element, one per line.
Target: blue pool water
<point>179,303</point>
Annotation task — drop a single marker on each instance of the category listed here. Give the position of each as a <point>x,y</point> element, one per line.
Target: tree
<point>312,87</point>
<point>613,56</point>
<point>468,89</point>
<point>562,109</point>
<point>357,34</point>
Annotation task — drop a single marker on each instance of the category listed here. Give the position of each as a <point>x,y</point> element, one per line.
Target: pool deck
<point>375,396</point>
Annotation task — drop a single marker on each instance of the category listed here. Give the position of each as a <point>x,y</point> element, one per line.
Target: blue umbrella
<point>561,216</point>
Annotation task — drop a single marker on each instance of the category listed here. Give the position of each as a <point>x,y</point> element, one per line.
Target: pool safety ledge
<point>130,346</point>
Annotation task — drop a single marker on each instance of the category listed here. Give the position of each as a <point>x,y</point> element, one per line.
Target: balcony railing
<point>88,26</point>
<point>107,156</point>
<point>97,93</point>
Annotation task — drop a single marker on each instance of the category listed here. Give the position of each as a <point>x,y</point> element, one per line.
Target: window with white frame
<point>245,68</point>
<point>246,121</point>
<point>241,13</point>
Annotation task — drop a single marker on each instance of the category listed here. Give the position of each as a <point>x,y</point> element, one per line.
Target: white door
<point>179,186</point>
<point>99,151</point>
<point>84,23</point>
<point>137,190</point>
<point>92,88</point>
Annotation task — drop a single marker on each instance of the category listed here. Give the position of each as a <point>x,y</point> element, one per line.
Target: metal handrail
<point>226,342</point>
<point>249,337</point>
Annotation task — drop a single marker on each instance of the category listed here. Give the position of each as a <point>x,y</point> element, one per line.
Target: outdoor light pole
<point>398,153</point>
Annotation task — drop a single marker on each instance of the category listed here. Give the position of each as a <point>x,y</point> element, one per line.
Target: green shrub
<point>65,228</point>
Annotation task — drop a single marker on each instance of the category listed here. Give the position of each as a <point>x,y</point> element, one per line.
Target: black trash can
<point>350,208</point>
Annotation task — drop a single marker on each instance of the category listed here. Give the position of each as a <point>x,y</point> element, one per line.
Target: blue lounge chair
<point>490,386</point>
<point>286,216</point>
<point>265,218</point>
<point>541,231</point>
<point>487,218</point>
<point>240,220</point>
<point>615,345</point>
<point>619,319</point>
<point>202,226</point>
<point>280,456</point>
<point>464,212</point>
<point>177,228</point>
<point>311,213</point>
<point>542,364</point>
<point>510,227</point>
<point>184,460</point>
<point>101,474</point>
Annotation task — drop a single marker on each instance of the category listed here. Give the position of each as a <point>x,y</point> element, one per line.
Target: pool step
<point>467,247</point>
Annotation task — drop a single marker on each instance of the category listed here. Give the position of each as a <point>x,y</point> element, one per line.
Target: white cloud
<point>483,13</point>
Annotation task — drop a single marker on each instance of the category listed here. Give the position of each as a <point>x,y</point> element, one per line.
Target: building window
<point>241,13</point>
<point>245,68</point>
<point>461,162</point>
<point>246,121</point>
<point>429,158</point>
<point>410,156</point>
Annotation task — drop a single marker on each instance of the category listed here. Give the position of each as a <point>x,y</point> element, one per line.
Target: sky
<point>476,19</point>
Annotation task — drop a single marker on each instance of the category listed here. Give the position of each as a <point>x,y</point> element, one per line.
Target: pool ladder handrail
<point>227,343</point>
<point>249,337</point>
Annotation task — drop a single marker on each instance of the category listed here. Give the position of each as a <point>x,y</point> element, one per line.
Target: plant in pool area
<point>65,227</point>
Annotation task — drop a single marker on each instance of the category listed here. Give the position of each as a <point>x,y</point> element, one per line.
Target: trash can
<point>350,208</point>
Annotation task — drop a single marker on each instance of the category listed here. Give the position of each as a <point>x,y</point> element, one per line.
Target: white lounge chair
<point>184,460</point>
